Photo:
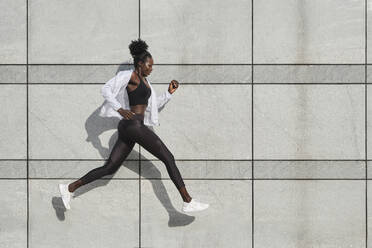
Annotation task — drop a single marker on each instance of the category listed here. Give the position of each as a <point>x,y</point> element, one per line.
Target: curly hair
<point>138,50</point>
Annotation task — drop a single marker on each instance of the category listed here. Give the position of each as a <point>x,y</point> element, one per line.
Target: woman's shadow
<point>95,125</point>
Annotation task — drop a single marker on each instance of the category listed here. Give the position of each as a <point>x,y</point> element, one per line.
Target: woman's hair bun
<point>137,47</point>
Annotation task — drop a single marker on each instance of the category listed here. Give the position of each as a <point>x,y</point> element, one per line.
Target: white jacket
<point>116,96</point>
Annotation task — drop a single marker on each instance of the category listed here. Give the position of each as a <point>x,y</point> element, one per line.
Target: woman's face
<point>146,67</point>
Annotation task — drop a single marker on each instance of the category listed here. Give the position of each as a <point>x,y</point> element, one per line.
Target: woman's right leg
<point>141,134</point>
<point>119,153</point>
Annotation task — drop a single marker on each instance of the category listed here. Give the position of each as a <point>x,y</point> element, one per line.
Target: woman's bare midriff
<point>139,109</point>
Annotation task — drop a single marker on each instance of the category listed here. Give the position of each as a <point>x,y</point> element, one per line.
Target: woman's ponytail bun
<point>137,47</point>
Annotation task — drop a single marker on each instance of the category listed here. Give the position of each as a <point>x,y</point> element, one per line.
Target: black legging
<point>130,132</point>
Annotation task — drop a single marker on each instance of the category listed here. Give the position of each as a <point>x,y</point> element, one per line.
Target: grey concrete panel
<point>13,169</point>
<point>103,214</point>
<point>13,122</point>
<point>226,223</point>
<point>206,122</point>
<point>13,74</point>
<point>13,214</point>
<point>309,169</point>
<point>202,74</point>
<point>64,123</point>
<point>160,74</point>
<point>309,122</point>
<point>369,122</point>
<point>369,211</point>
<point>199,169</point>
<point>309,74</point>
<point>82,74</point>
<point>369,170</point>
<point>369,74</point>
<point>197,31</point>
<point>77,169</point>
<point>82,31</point>
<point>13,31</point>
<point>309,214</point>
<point>369,29</point>
<point>318,31</point>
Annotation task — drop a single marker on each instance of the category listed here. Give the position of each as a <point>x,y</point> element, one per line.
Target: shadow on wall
<point>95,125</point>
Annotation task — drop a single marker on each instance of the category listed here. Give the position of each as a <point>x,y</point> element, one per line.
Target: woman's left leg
<point>119,153</point>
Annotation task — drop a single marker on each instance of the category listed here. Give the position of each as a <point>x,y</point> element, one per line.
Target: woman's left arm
<point>163,98</point>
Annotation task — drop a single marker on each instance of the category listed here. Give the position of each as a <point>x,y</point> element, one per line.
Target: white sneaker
<point>66,195</point>
<point>193,206</point>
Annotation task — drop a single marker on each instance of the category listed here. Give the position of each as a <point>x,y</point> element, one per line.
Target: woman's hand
<point>127,114</point>
<point>173,86</point>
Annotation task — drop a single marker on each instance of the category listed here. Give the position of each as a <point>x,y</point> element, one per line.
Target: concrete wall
<point>270,125</point>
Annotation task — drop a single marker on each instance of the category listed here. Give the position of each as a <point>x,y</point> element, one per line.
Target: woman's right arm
<point>106,92</point>
<point>127,114</point>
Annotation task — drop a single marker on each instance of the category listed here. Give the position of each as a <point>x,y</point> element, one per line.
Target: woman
<point>135,113</point>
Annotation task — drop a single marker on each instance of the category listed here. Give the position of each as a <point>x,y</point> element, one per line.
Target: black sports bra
<point>140,95</point>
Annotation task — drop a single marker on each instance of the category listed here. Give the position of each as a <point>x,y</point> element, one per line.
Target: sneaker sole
<point>67,206</point>
<point>197,210</point>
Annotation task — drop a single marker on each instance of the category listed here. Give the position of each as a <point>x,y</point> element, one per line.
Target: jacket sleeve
<point>163,98</point>
<point>107,93</point>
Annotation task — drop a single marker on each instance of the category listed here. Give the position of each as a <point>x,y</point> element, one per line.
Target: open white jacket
<point>116,96</point>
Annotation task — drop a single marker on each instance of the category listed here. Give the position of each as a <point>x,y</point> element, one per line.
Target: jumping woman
<point>130,97</point>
